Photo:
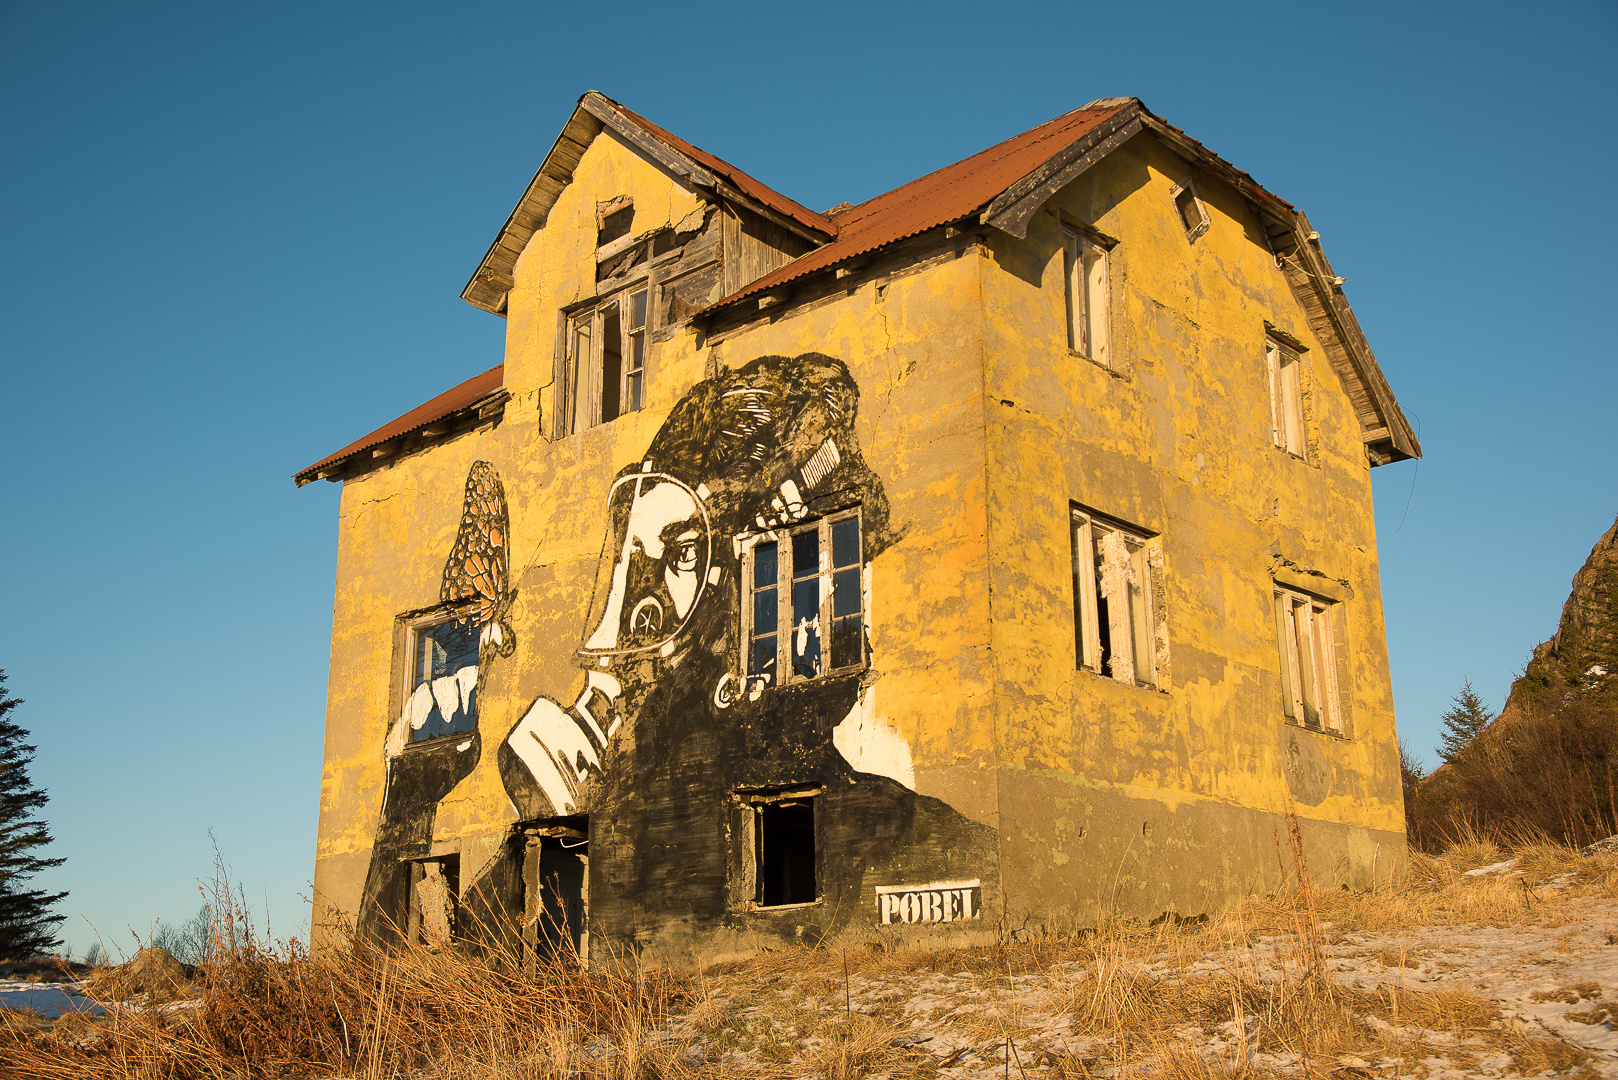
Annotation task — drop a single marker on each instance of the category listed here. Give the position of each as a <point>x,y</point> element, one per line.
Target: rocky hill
<point>1549,762</point>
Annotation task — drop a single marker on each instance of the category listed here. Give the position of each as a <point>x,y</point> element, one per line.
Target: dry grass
<point>1250,994</point>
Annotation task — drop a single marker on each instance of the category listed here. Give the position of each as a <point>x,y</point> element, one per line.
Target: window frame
<point>1288,430</point>
<point>1145,621</point>
<point>1087,295</point>
<point>588,323</point>
<point>782,537</point>
<point>1311,695</point>
<point>749,876</point>
<point>413,633</point>
<point>1189,185</point>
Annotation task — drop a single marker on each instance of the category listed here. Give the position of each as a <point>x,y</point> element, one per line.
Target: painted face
<point>659,537</point>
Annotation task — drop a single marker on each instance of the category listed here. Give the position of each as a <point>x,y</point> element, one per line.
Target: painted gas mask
<point>760,447</point>
<point>657,564</point>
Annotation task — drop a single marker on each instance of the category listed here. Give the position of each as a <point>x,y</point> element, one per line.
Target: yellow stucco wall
<point>1121,788</point>
<point>983,427</point>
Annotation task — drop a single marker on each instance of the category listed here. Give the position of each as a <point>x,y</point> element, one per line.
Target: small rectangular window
<point>441,695</point>
<point>1190,209</point>
<point>1286,397</point>
<point>1085,273</point>
<point>1114,615</point>
<point>804,611</point>
<point>605,374</point>
<point>778,860</point>
<point>1304,628</point>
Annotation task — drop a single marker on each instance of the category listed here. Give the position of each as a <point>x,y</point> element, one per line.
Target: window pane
<point>847,646</point>
<point>764,568</point>
<point>845,586</point>
<point>762,660</point>
<point>637,309</point>
<point>806,553</point>
<point>1072,265</point>
<point>445,679</point>
<point>634,392</point>
<point>637,350</point>
<point>766,610</point>
<point>612,360</point>
<point>806,627</point>
<point>845,542</point>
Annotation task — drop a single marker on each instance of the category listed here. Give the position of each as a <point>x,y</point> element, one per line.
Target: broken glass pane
<point>443,700</point>
<point>806,604</point>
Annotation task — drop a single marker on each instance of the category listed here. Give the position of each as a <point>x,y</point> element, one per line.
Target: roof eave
<point>494,277</point>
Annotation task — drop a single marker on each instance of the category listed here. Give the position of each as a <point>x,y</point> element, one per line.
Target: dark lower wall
<point>1084,851</point>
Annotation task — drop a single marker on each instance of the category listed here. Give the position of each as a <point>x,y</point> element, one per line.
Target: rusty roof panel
<point>467,393</point>
<point>744,183</point>
<point>949,194</point>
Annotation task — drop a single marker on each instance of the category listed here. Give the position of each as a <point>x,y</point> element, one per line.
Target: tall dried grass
<point>1252,982</point>
<point>361,1011</point>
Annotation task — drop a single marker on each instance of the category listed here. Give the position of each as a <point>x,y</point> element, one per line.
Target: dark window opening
<point>1104,632</point>
<point>615,225</point>
<point>1190,215</point>
<point>786,853</point>
<point>612,362</point>
<point>556,872</point>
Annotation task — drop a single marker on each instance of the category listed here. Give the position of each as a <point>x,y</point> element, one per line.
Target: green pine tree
<point>1465,720</point>
<point>27,925</point>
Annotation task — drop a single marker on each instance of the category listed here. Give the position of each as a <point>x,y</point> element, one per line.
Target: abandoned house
<point>982,557</point>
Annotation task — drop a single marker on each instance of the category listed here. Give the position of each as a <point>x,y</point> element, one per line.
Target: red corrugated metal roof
<point>954,192</point>
<point>450,401</point>
<point>746,184</point>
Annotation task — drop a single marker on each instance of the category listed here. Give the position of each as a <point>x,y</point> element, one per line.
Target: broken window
<point>434,898</point>
<point>441,696</point>
<point>1115,620</point>
<point>779,853</point>
<point>1193,214</point>
<point>605,370</point>
<point>1085,266</point>
<point>1286,396</point>
<point>616,218</point>
<point>804,608</point>
<point>1304,625</point>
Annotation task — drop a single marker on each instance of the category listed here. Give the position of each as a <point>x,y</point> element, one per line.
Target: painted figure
<point>740,458</point>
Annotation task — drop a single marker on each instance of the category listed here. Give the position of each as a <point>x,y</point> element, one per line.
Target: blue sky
<point>233,237</point>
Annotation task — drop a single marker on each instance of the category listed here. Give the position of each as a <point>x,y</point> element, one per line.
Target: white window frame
<point>1189,186</point>
<point>1087,293</point>
<point>1306,627</point>
<point>783,584</point>
<point>1132,629</point>
<point>583,368</point>
<point>1285,365</point>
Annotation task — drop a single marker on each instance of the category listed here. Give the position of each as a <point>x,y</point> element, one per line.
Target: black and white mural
<point>445,648</point>
<point>721,747</point>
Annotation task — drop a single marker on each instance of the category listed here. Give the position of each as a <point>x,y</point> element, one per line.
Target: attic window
<point>1193,214</point>
<point>616,218</point>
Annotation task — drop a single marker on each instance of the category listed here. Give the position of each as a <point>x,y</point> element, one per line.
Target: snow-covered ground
<point>49,1000</point>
